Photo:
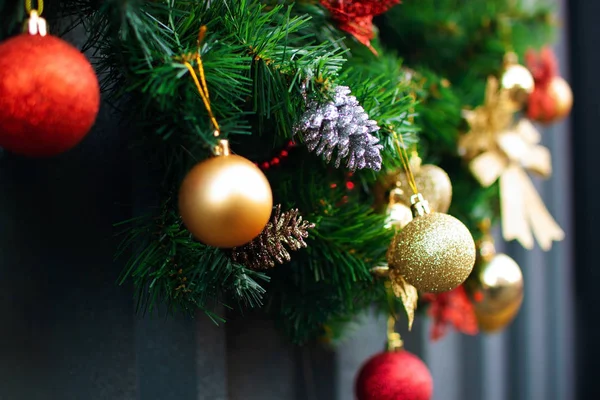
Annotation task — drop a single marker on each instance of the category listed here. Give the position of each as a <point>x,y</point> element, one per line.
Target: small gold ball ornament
<point>398,213</point>
<point>435,252</point>
<point>561,94</point>
<point>496,291</point>
<point>517,79</point>
<point>433,183</point>
<point>225,201</point>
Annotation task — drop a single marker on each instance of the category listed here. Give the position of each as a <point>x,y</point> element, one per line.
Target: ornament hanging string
<point>29,8</point>
<point>201,82</point>
<point>35,24</point>
<point>399,142</point>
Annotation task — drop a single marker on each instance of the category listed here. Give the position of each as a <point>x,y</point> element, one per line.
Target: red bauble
<point>49,95</point>
<point>552,98</point>
<point>394,376</point>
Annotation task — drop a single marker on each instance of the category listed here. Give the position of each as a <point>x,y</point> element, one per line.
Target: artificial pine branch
<point>268,248</point>
<point>341,125</point>
<point>256,61</point>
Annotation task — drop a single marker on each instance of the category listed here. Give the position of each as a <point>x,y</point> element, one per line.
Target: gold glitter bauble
<point>435,253</point>
<point>433,183</point>
<point>496,291</point>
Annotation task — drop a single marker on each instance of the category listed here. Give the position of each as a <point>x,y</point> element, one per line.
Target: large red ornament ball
<point>49,95</point>
<point>396,375</point>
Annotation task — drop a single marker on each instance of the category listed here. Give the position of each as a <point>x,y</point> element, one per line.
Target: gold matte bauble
<point>433,183</point>
<point>496,292</point>
<point>434,253</point>
<point>561,94</point>
<point>225,201</point>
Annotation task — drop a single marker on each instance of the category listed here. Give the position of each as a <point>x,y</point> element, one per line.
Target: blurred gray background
<point>68,332</point>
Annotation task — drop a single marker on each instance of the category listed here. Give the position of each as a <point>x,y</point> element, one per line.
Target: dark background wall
<point>68,332</point>
<point>585,33</point>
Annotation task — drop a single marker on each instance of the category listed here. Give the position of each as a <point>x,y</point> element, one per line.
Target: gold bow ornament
<point>498,148</point>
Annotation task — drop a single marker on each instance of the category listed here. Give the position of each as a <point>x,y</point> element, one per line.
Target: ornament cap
<point>396,195</point>
<point>36,25</point>
<point>222,149</point>
<point>394,341</point>
<point>419,206</point>
<point>510,58</point>
<point>487,250</point>
<point>381,271</point>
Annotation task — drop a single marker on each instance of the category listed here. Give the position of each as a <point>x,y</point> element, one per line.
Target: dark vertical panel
<point>494,373</point>
<point>368,340</point>
<point>472,366</point>
<point>561,292</point>
<point>584,33</point>
<point>532,342</point>
<point>445,360</point>
<point>166,357</point>
<point>67,330</point>
<point>211,360</point>
<point>261,364</point>
<point>316,372</point>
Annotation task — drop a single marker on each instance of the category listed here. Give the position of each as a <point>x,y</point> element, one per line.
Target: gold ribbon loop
<point>499,149</point>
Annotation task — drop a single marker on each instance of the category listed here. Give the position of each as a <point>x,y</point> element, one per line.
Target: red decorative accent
<point>49,95</point>
<point>349,185</point>
<point>356,16</point>
<point>544,67</point>
<point>478,296</point>
<point>451,308</point>
<point>394,376</point>
<point>276,160</point>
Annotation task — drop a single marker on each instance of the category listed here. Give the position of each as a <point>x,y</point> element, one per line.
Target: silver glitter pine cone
<point>435,253</point>
<point>342,126</point>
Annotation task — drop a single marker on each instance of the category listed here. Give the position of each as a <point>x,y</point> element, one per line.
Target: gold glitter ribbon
<point>405,292</point>
<point>497,149</point>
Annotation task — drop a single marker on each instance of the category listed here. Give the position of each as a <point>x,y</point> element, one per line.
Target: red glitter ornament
<point>356,16</point>
<point>395,375</point>
<point>49,95</point>
<point>451,308</point>
<point>552,98</point>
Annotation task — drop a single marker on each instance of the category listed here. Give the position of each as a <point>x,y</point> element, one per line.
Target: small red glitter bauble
<point>49,95</point>
<point>396,375</point>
